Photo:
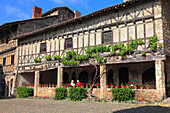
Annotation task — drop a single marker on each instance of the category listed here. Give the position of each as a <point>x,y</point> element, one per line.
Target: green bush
<point>23,92</point>
<point>60,93</point>
<point>122,94</point>
<point>77,94</point>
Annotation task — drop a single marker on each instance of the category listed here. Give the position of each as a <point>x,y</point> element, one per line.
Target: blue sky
<point>13,10</point>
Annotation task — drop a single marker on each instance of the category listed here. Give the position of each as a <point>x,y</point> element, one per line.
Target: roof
<point>54,9</point>
<point>80,18</point>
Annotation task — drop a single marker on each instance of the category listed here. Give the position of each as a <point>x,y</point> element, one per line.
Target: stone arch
<point>148,76</point>
<point>65,77</point>
<point>110,76</point>
<point>74,76</point>
<point>123,75</point>
<point>84,77</point>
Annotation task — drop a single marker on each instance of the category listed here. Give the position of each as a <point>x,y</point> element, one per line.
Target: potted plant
<point>90,85</point>
<point>56,85</point>
<point>107,86</point>
<point>143,54</point>
<point>53,85</point>
<point>39,85</point>
<point>147,86</point>
<point>127,85</point>
<point>46,85</point>
<point>82,86</point>
<point>48,58</point>
<point>56,57</point>
<point>141,86</point>
<point>49,85</point>
<point>135,86</point>
<point>111,85</point>
<point>116,86</point>
<point>36,60</point>
<point>87,85</point>
<point>122,85</point>
<point>97,85</point>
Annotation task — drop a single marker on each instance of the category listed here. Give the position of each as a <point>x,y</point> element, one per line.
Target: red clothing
<point>78,84</point>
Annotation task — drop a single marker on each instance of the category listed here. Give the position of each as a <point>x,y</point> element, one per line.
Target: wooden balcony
<point>7,47</point>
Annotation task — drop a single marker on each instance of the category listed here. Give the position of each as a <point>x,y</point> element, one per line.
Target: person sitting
<point>72,83</point>
<point>78,83</point>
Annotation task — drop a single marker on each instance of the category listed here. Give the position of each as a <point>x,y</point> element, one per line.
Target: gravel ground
<point>51,106</point>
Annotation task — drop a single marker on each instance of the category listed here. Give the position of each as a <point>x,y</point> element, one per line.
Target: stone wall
<point>145,94</point>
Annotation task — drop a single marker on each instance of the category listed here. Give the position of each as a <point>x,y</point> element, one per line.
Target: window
<point>12,60</point>
<point>4,61</point>
<point>43,48</point>
<point>68,43</point>
<point>107,37</point>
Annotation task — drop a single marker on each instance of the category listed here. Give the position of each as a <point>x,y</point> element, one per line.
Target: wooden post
<point>160,79</point>
<point>37,78</point>
<point>60,76</point>
<point>103,75</point>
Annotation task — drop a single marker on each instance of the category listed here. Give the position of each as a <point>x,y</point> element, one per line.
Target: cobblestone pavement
<point>51,106</point>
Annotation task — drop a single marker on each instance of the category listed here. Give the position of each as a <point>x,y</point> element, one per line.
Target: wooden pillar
<point>103,75</point>
<point>14,83</point>
<point>60,76</point>
<point>36,81</point>
<point>160,78</point>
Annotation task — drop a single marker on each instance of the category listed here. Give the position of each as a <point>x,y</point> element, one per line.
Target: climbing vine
<point>72,58</point>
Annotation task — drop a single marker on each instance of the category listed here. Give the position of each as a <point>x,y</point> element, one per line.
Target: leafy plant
<point>160,45</point>
<point>153,42</point>
<point>56,57</point>
<point>37,59</point>
<point>143,54</point>
<point>23,92</point>
<point>48,58</point>
<point>77,94</point>
<point>122,94</point>
<point>60,93</point>
<point>140,41</point>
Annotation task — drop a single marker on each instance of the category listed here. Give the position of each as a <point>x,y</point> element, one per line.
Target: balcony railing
<point>8,46</point>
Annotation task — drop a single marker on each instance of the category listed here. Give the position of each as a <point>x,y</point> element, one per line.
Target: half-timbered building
<point>132,20</point>
<point>13,29</point>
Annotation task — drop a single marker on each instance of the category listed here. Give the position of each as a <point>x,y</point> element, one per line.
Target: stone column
<point>14,85</point>
<point>60,76</point>
<point>160,78</point>
<point>103,75</point>
<point>36,82</point>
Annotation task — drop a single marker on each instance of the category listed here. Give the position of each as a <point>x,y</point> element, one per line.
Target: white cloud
<point>15,12</point>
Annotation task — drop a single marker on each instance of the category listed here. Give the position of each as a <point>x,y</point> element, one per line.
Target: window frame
<point>45,47</point>
<point>12,59</point>
<point>4,61</point>
<point>66,43</point>
<point>103,37</point>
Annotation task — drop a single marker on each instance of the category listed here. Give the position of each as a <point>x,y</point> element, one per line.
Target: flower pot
<point>111,86</point>
<point>107,86</point>
<point>82,86</point>
<point>90,86</point>
<point>147,87</point>
<point>135,87</point>
<point>86,86</point>
<point>141,87</point>
<point>127,86</point>
<point>97,86</point>
<point>122,86</point>
<point>56,86</point>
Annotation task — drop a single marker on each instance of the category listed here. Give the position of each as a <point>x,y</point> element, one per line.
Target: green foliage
<point>153,42</point>
<point>60,93</point>
<point>143,54</point>
<point>48,58</point>
<point>56,57</point>
<point>23,92</point>
<point>160,45</point>
<point>37,59</point>
<point>122,94</point>
<point>140,42</point>
<point>69,62</point>
<point>77,94</point>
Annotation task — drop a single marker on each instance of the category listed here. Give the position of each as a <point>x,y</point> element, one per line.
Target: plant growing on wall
<point>48,58</point>
<point>153,42</point>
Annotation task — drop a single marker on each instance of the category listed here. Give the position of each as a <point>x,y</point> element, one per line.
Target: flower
<point>122,84</point>
<point>97,84</point>
<point>108,99</point>
<point>87,84</point>
<point>141,85</point>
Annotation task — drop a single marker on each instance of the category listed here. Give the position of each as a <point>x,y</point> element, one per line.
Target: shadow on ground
<point>1,98</point>
<point>146,109</point>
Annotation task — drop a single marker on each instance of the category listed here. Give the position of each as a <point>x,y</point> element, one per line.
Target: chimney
<point>77,14</point>
<point>36,12</point>
<point>126,0</point>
